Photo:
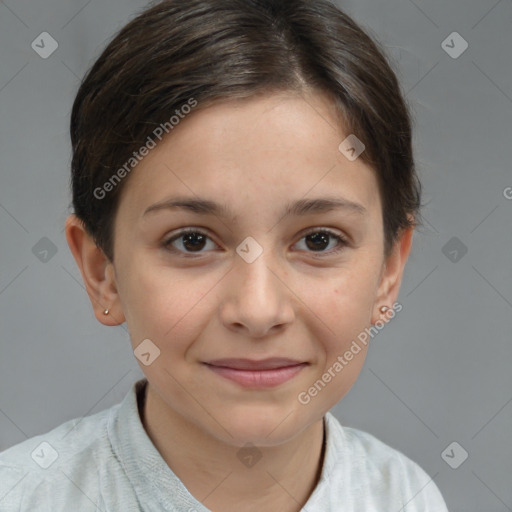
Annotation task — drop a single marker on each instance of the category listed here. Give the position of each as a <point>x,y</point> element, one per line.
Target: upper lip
<point>252,364</point>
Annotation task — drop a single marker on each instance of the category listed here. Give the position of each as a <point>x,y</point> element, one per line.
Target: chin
<point>259,427</point>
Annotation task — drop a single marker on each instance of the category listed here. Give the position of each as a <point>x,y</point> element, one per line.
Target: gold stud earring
<point>383,309</point>
<point>106,312</point>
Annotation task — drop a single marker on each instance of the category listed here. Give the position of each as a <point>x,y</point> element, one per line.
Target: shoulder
<point>57,460</point>
<point>382,473</point>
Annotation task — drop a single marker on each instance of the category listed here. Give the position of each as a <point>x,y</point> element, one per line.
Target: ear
<point>391,274</point>
<point>97,272</point>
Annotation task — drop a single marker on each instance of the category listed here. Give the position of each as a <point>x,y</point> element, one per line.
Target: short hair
<point>220,50</point>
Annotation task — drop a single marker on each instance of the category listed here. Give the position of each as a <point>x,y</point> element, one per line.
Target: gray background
<point>438,373</point>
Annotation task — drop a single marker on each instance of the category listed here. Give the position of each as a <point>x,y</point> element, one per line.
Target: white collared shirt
<point>107,462</point>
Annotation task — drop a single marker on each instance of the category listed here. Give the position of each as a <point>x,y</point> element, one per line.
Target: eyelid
<point>330,231</point>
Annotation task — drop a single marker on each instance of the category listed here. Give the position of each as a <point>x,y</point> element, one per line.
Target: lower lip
<point>258,378</point>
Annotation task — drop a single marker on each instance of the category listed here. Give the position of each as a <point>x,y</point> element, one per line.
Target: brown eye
<point>193,241</point>
<point>187,241</point>
<point>319,240</point>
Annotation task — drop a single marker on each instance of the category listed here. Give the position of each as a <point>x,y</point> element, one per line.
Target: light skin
<point>298,299</point>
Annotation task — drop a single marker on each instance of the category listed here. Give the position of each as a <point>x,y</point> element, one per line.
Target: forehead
<point>267,150</point>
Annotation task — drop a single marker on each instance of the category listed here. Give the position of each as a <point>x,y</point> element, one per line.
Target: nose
<point>257,300</point>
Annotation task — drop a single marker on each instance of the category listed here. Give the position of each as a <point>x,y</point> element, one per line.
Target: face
<point>250,280</point>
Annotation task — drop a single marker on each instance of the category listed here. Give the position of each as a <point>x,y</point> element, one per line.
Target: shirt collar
<point>153,480</point>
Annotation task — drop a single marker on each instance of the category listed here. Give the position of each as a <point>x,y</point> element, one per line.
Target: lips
<point>254,374</point>
<point>255,365</point>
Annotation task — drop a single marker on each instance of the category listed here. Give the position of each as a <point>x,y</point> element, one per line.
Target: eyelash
<point>342,242</point>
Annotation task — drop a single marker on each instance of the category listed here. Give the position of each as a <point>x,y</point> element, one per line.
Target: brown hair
<point>215,50</point>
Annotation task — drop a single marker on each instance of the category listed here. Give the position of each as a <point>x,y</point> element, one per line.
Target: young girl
<point>244,198</point>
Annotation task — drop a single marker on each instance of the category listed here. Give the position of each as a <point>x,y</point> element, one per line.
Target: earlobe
<point>392,273</point>
<point>97,273</point>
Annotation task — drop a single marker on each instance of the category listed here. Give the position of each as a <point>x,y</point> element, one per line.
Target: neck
<point>228,478</point>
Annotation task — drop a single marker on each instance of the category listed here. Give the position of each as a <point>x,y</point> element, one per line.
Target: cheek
<point>166,306</point>
<point>347,315</point>
<point>351,299</point>
<point>347,311</point>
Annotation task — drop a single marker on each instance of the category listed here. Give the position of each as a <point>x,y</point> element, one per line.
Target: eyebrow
<point>298,208</point>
